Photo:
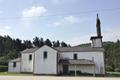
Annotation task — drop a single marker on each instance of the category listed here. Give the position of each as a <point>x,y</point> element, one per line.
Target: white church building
<point>62,60</point>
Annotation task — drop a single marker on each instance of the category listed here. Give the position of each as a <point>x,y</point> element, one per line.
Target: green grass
<point>15,74</point>
<point>114,74</point>
<point>110,74</point>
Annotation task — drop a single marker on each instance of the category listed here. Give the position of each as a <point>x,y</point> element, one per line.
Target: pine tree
<point>63,44</point>
<point>48,42</point>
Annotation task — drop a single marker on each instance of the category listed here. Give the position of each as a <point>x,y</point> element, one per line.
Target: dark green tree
<point>36,41</point>
<point>56,44</point>
<point>63,44</point>
<point>41,42</point>
<point>27,44</point>
<point>13,54</point>
<point>18,44</point>
<point>48,42</point>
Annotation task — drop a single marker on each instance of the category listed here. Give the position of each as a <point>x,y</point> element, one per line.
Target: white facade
<point>98,60</point>
<point>45,60</point>
<point>26,63</point>
<point>96,42</point>
<point>13,68</point>
<point>46,65</point>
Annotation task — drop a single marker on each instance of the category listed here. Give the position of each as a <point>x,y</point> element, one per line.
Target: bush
<point>71,73</point>
<point>79,72</point>
<point>3,68</point>
<point>3,63</point>
<point>109,68</point>
<point>117,69</point>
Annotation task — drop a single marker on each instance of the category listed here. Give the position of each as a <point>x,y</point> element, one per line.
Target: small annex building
<point>14,65</point>
<point>62,60</point>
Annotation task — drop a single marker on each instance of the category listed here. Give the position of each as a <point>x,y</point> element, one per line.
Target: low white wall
<point>13,69</point>
<point>82,68</point>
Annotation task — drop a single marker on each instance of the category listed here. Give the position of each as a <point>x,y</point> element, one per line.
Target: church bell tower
<point>98,26</point>
<point>97,40</point>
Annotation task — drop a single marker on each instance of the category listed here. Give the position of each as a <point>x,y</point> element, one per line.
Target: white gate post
<point>75,71</point>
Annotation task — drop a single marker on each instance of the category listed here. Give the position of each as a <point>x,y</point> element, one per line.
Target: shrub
<point>79,72</point>
<point>109,68</point>
<point>117,69</point>
<point>71,72</point>
<point>3,68</point>
<point>3,63</point>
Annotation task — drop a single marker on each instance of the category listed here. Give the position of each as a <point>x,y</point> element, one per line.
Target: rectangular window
<point>30,57</point>
<point>14,64</point>
<point>45,55</point>
<point>75,56</point>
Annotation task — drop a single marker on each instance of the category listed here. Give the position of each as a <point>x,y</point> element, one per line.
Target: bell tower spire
<point>98,26</point>
<point>97,40</point>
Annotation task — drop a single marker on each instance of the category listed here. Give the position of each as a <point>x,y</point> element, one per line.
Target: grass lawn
<point>15,74</point>
<point>114,74</point>
<point>110,74</point>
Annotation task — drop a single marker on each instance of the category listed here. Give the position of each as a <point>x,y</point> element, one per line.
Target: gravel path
<point>53,78</point>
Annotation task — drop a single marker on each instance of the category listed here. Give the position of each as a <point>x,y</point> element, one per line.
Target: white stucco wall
<point>48,65</point>
<point>13,69</point>
<point>96,43</point>
<point>26,64</point>
<point>98,59</point>
<point>82,68</point>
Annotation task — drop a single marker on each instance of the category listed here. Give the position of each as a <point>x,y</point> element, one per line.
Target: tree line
<point>112,55</point>
<point>10,48</point>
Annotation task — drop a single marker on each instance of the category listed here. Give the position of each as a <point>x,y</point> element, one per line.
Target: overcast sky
<point>72,21</point>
